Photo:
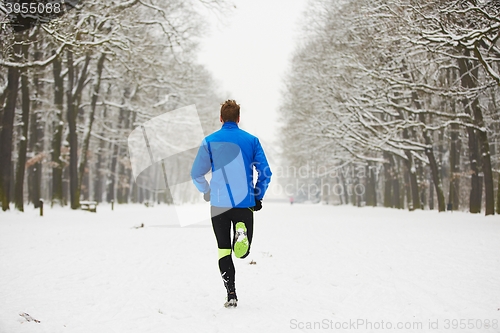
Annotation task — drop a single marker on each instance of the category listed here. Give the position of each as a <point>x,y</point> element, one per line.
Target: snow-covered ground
<point>318,268</point>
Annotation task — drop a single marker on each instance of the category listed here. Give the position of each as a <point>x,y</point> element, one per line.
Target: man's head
<point>230,111</point>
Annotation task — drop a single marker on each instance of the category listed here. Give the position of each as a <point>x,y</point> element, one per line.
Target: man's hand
<point>206,196</point>
<point>258,205</point>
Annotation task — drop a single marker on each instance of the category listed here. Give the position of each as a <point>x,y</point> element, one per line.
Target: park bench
<point>91,206</point>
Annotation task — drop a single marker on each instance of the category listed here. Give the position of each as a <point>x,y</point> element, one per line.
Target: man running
<point>231,154</point>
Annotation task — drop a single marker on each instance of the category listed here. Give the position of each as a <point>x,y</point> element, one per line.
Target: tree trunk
<point>411,168</point>
<point>413,183</point>
<point>57,162</point>
<point>72,114</point>
<point>467,81</point>
<point>122,190</point>
<point>498,195</point>
<point>128,172</point>
<point>431,196</point>
<point>358,198</point>
<point>98,188</point>
<point>484,146</point>
<point>112,173</point>
<point>406,184</point>
<point>23,144</point>
<point>72,139</point>
<point>475,193</point>
<point>134,193</point>
<point>35,142</point>
<point>371,191</point>
<point>7,130</point>
<point>65,177</point>
<point>422,182</point>
<point>344,187</point>
<point>429,152</point>
<point>398,198</point>
<point>142,195</point>
<point>436,179</point>
<point>93,103</point>
<point>84,188</point>
<point>100,170</point>
<point>388,187</point>
<point>455,148</point>
<point>486,159</point>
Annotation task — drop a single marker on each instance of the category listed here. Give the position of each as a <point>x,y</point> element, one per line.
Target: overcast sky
<point>249,56</point>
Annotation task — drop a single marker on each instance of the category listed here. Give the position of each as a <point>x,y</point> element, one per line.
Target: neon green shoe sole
<point>241,241</point>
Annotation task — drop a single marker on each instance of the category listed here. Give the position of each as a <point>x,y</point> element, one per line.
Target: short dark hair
<point>230,111</point>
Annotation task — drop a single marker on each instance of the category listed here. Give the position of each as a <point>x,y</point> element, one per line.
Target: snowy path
<point>316,266</point>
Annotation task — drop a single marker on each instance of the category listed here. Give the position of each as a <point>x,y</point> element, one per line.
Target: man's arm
<point>263,172</point>
<point>201,166</point>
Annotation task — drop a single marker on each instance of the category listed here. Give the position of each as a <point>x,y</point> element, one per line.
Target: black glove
<point>258,205</point>
<point>206,196</point>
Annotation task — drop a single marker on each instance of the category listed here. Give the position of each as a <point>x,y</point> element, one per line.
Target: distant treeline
<point>413,86</point>
<point>72,89</point>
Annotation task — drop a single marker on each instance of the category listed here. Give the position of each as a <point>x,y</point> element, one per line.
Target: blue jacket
<point>231,154</point>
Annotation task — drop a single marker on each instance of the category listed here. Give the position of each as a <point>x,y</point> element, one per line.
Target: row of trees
<point>409,86</point>
<point>71,90</point>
